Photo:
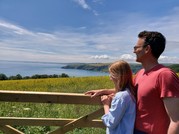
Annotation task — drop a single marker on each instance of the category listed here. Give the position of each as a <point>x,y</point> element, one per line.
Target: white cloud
<point>12,28</point>
<point>100,57</point>
<point>127,57</point>
<point>108,42</point>
<point>167,59</point>
<point>85,6</point>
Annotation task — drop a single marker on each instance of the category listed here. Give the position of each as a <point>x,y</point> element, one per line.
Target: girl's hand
<point>94,93</point>
<point>99,92</point>
<point>106,100</point>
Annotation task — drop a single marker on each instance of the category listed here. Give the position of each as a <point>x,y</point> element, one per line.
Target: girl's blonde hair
<point>121,71</point>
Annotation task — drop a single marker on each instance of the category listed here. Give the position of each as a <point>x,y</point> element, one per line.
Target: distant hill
<point>103,67</point>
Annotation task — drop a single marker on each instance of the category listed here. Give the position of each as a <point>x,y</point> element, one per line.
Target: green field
<point>38,110</point>
<point>64,85</point>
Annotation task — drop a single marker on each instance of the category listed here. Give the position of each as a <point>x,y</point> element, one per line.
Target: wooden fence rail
<point>65,125</point>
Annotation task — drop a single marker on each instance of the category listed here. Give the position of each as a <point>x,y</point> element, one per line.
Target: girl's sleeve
<point>116,112</point>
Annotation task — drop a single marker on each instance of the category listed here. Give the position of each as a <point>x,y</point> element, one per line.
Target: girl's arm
<point>99,92</point>
<point>106,100</point>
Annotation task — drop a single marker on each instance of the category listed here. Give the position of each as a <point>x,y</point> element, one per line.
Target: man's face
<point>139,49</point>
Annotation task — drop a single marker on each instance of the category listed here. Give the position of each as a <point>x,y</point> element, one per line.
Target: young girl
<point>120,114</point>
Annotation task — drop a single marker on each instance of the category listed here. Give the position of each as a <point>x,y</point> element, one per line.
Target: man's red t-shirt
<point>152,87</point>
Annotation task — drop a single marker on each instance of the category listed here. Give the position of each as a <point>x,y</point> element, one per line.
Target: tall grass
<point>38,110</point>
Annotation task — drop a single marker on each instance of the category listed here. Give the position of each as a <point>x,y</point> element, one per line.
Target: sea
<point>12,68</point>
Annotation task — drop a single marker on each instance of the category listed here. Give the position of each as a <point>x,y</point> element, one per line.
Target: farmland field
<point>65,85</point>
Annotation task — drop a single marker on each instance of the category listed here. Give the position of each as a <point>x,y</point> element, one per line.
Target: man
<point>157,88</point>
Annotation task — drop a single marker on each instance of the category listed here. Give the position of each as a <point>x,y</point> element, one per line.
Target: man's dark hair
<point>156,41</point>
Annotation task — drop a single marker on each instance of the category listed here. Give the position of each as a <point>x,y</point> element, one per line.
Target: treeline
<point>36,76</point>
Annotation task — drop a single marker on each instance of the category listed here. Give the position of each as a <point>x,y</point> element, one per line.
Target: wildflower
<point>26,109</point>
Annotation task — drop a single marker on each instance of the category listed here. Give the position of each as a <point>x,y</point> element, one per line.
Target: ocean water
<point>12,68</point>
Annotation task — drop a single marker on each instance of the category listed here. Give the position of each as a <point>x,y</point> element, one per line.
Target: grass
<point>38,110</point>
<point>66,85</point>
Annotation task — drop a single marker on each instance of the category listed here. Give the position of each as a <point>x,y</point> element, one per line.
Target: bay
<point>12,68</point>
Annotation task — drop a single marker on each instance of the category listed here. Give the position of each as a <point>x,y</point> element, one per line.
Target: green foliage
<point>36,76</point>
<point>38,110</point>
<point>174,67</point>
<point>3,77</point>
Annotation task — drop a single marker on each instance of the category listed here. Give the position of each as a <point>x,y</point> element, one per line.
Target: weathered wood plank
<point>9,130</point>
<point>48,97</point>
<point>46,122</point>
<point>78,122</point>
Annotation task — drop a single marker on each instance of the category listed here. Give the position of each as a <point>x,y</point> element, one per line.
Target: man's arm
<point>172,108</point>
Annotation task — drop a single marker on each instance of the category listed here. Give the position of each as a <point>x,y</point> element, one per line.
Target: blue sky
<point>84,30</point>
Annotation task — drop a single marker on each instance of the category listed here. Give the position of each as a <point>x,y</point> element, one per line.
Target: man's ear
<point>148,49</point>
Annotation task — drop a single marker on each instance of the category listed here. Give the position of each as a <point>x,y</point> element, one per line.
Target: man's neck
<point>149,64</point>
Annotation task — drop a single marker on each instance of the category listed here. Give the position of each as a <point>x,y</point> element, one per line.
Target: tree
<point>64,75</point>
<point>3,77</point>
<point>12,77</point>
<point>18,77</point>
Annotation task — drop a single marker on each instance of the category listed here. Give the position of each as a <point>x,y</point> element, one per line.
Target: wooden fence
<point>65,125</point>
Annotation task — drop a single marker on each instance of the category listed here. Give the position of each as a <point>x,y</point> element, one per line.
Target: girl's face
<point>115,80</point>
<point>111,77</point>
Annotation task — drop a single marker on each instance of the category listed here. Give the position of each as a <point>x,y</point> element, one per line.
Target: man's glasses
<point>135,47</point>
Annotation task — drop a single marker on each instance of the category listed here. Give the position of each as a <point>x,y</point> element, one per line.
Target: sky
<point>87,31</point>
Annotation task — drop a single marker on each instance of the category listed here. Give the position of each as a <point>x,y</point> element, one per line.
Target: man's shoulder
<point>164,70</point>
